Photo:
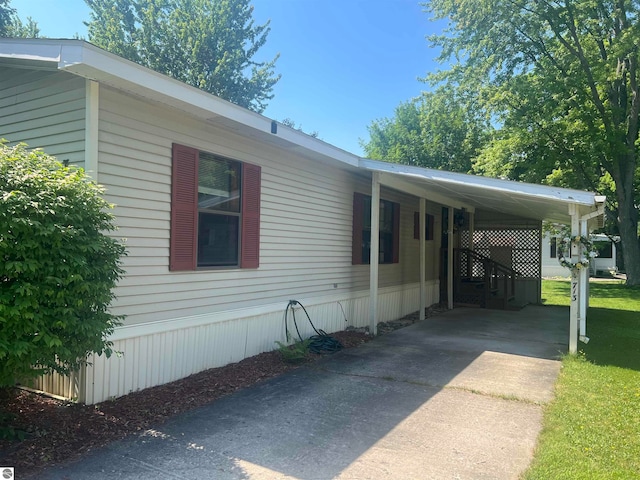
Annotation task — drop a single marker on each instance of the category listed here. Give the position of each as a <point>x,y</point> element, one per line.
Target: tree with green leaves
<point>6,17</point>
<point>12,26</point>
<point>58,266</point>
<point>437,130</point>
<point>209,44</point>
<point>562,80</point>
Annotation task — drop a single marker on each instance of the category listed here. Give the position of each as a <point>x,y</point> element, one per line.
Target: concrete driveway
<point>458,396</point>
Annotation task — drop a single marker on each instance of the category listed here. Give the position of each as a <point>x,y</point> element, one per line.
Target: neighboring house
<point>228,215</point>
<point>605,261</point>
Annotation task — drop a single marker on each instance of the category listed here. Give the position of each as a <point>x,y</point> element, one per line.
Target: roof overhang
<point>88,61</point>
<point>473,192</point>
<point>452,189</point>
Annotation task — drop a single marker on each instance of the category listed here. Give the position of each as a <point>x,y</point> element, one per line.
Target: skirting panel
<point>185,346</point>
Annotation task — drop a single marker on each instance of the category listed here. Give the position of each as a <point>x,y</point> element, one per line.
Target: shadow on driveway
<point>458,395</point>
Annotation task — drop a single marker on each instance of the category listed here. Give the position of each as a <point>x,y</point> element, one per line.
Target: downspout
<point>584,289</point>
<point>574,293</point>
<point>374,257</point>
<point>584,274</point>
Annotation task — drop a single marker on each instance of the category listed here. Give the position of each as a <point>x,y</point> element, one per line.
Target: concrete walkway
<point>458,396</point>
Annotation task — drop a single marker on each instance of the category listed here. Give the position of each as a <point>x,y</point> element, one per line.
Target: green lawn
<point>592,428</point>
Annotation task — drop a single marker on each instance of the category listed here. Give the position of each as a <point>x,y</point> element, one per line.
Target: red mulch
<point>58,431</point>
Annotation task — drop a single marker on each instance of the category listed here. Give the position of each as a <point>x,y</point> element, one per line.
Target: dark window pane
<point>366,246</point>
<point>386,216</point>
<point>217,240</point>
<point>386,247</point>
<point>553,242</point>
<point>218,183</point>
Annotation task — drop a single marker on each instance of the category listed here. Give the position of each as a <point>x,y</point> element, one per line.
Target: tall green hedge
<point>57,266</point>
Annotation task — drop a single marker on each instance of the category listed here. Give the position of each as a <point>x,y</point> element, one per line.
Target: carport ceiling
<point>525,200</point>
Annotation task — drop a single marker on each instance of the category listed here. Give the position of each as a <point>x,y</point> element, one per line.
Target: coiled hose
<point>319,343</point>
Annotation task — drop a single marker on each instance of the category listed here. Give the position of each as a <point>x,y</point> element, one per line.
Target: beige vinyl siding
<point>45,109</point>
<point>306,219</point>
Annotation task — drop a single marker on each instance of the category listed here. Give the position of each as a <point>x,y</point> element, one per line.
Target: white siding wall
<point>45,110</point>
<point>551,267</point>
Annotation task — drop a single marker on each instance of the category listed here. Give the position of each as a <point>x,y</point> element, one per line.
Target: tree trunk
<point>628,226</point>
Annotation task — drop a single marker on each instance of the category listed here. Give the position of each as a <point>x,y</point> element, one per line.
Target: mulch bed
<point>57,431</point>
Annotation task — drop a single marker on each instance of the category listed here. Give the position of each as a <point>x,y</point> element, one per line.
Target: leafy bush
<point>295,353</point>
<point>58,266</point>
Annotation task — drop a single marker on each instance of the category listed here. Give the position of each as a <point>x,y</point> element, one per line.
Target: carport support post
<point>450,260</point>
<point>422,217</point>
<point>374,257</point>
<point>574,309</point>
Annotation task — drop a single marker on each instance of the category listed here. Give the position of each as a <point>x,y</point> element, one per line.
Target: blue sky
<point>344,63</point>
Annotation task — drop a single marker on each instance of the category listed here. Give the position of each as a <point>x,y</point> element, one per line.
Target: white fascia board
<point>85,59</point>
<point>507,186</point>
<point>38,50</point>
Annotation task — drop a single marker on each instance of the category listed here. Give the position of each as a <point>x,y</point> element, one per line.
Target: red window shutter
<point>396,233</point>
<point>358,225</point>
<point>250,242</point>
<point>184,208</point>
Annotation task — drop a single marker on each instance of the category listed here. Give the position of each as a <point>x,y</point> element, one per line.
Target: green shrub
<point>58,268</point>
<point>295,353</point>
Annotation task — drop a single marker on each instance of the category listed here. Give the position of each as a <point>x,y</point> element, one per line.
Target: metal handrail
<point>484,257</point>
<point>491,276</point>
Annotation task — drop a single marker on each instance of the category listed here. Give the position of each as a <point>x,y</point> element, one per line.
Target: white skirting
<point>161,352</point>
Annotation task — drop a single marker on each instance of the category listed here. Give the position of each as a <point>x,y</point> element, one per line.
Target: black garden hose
<point>319,343</point>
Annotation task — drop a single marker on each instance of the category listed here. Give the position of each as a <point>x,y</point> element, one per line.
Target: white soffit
<point>540,202</point>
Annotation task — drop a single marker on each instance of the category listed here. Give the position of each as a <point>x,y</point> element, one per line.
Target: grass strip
<point>592,428</point>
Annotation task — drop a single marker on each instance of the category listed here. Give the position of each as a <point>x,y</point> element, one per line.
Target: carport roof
<point>452,189</point>
<point>539,202</point>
